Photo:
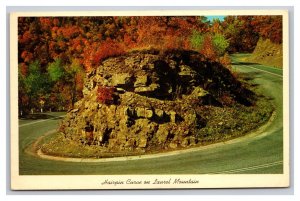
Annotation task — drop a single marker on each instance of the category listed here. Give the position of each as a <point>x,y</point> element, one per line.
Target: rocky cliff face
<point>267,53</point>
<point>146,100</point>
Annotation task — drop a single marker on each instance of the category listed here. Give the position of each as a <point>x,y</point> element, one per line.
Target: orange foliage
<point>269,27</point>
<point>79,81</point>
<point>70,31</point>
<point>55,22</point>
<point>23,69</point>
<point>25,38</point>
<point>129,41</point>
<point>151,31</point>
<point>26,56</point>
<point>90,40</point>
<point>45,22</point>
<point>225,60</point>
<point>107,49</point>
<point>208,48</point>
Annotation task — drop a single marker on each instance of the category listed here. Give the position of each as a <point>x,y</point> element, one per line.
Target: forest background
<point>56,53</point>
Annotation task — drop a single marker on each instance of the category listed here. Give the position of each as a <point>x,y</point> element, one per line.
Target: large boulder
<point>155,101</point>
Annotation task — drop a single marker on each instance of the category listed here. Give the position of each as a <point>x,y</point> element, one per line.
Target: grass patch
<point>231,122</point>
<point>58,145</point>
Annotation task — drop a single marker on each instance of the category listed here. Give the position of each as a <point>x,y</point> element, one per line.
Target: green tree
<point>240,32</point>
<point>65,77</point>
<point>36,84</point>
<point>220,44</point>
<point>197,40</point>
<point>56,70</point>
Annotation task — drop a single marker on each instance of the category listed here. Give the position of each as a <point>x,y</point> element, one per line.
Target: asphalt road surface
<point>253,155</point>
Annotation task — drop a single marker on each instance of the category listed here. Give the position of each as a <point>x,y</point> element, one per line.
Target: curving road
<point>258,154</point>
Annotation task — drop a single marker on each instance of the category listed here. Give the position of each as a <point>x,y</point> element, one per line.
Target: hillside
<point>267,53</point>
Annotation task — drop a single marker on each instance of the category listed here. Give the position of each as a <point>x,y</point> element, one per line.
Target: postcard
<point>149,99</point>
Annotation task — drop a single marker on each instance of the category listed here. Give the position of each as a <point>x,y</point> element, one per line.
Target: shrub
<point>196,40</point>
<point>105,94</point>
<point>226,61</point>
<point>220,44</point>
<point>208,49</point>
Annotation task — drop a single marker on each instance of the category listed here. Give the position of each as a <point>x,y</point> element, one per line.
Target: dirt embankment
<point>267,53</point>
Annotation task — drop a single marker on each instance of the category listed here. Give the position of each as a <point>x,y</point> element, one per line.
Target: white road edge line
<point>263,70</point>
<point>251,168</point>
<point>35,122</point>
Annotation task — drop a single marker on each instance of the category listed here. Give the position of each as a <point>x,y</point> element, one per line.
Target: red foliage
<point>23,69</point>
<point>56,22</point>
<point>165,33</point>
<point>45,22</point>
<point>107,49</point>
<point>24,99</point>
<point>151,31</point>
<point>105,94</point>
<point>25,38</point>
<point>129,41</point>
<point>269,27</point>
<point>92,39</point>
<point>69,31</point>
<point>26,56</point>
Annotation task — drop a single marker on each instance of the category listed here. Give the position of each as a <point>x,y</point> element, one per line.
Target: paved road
<point>260,154</point>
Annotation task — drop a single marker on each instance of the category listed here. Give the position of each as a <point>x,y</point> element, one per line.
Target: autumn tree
<point>208,49</point>
<point>75,76</point>
<point>269,27</point>
<point>68,77</point>
<point>54,53</point>
<point>216,27</point>
<point>240,33</point>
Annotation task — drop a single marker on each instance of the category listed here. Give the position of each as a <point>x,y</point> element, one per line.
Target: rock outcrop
<point>151,102</point>
<point>267,53</point>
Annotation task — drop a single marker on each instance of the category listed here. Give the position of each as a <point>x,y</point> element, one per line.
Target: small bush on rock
<point>105,94</point>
